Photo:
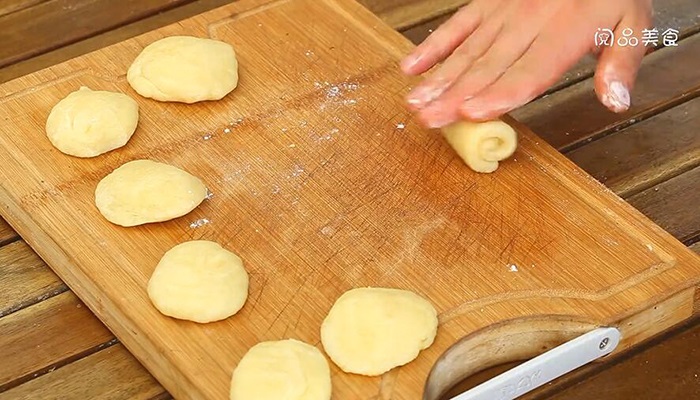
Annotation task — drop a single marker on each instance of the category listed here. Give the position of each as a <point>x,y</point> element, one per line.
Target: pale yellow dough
<point>482,145</point>
<point>145,191</point>
<point>199,281</point>
<point>370,331</point>
<point>282,370</point>
<point>87,123</point>
<point>184,69</point>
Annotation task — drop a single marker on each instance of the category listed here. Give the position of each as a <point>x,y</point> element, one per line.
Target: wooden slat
<point>398,13</point>
<point>667,368</point>
<point>402,14</point>
<point>683,15</point>
<point>419,33</point>
<point>7,234</point>
<point>10,6</point>
<point>645,154</point>
<point>111,373</point>
<point>97,41</point>
<point>25,278</point>
<point>696,247</point>
<point>673,205</point>
<point>45,335</point>
<point>572,116</point>
<point>52,24</point>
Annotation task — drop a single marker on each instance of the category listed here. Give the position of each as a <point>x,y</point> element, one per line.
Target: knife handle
<point>546,367</point>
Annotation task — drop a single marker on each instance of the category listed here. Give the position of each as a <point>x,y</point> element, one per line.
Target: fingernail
<point>437,121</point>
<point>414,102</point>
<point>617,98</point>
<point>424,95</point>
<point>409,62</point>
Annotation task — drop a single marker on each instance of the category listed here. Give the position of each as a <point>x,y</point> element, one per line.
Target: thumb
<point>619,64</point>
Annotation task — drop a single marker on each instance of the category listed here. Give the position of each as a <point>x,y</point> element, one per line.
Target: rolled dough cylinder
<point>285,369</point>
<point>482,145</point>
<point>370,331</point>
<point>199,281</point>
<point>87,123</point>
<point>184,69</point>
<point>145,191</point>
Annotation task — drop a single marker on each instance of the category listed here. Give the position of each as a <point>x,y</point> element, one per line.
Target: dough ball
<point>87,123</point>
<point>184,69</point>
<point>199,281</point>
<point>145,191</point>
<point>282,370</point>
<point>482,145</point>
<point>370,331</point>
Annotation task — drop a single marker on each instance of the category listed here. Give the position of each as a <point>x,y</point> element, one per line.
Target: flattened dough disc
<point>370,331</point>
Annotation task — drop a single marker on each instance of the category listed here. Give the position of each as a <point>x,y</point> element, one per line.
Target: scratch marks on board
<point>214,26</point>
<point>412,239</point>
<point>12,96</point>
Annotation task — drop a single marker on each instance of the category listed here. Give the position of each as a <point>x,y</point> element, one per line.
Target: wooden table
<point>51,346</point>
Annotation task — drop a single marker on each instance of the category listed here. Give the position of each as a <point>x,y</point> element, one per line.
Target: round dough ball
<point>199,281</point>
<point>184,69</point>
<point>285,369</point>
<point>482,145</point>
<point>370,331</point>
<point>87,123</point>
<point>145,191</point>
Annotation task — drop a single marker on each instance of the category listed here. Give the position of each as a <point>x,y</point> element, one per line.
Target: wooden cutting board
<point>322,182</point>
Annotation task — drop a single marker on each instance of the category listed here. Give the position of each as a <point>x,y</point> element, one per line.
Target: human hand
<point>500,54</point>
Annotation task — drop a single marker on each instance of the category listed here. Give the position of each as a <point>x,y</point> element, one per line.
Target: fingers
<point>507,58</point>
<point>618,65</point>
<point>548,58</point>
<point>461,60</point>
<point>509,46</point>
<point>443,41</point>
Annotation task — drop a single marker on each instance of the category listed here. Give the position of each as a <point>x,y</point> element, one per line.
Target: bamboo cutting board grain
<point>322,182</point>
